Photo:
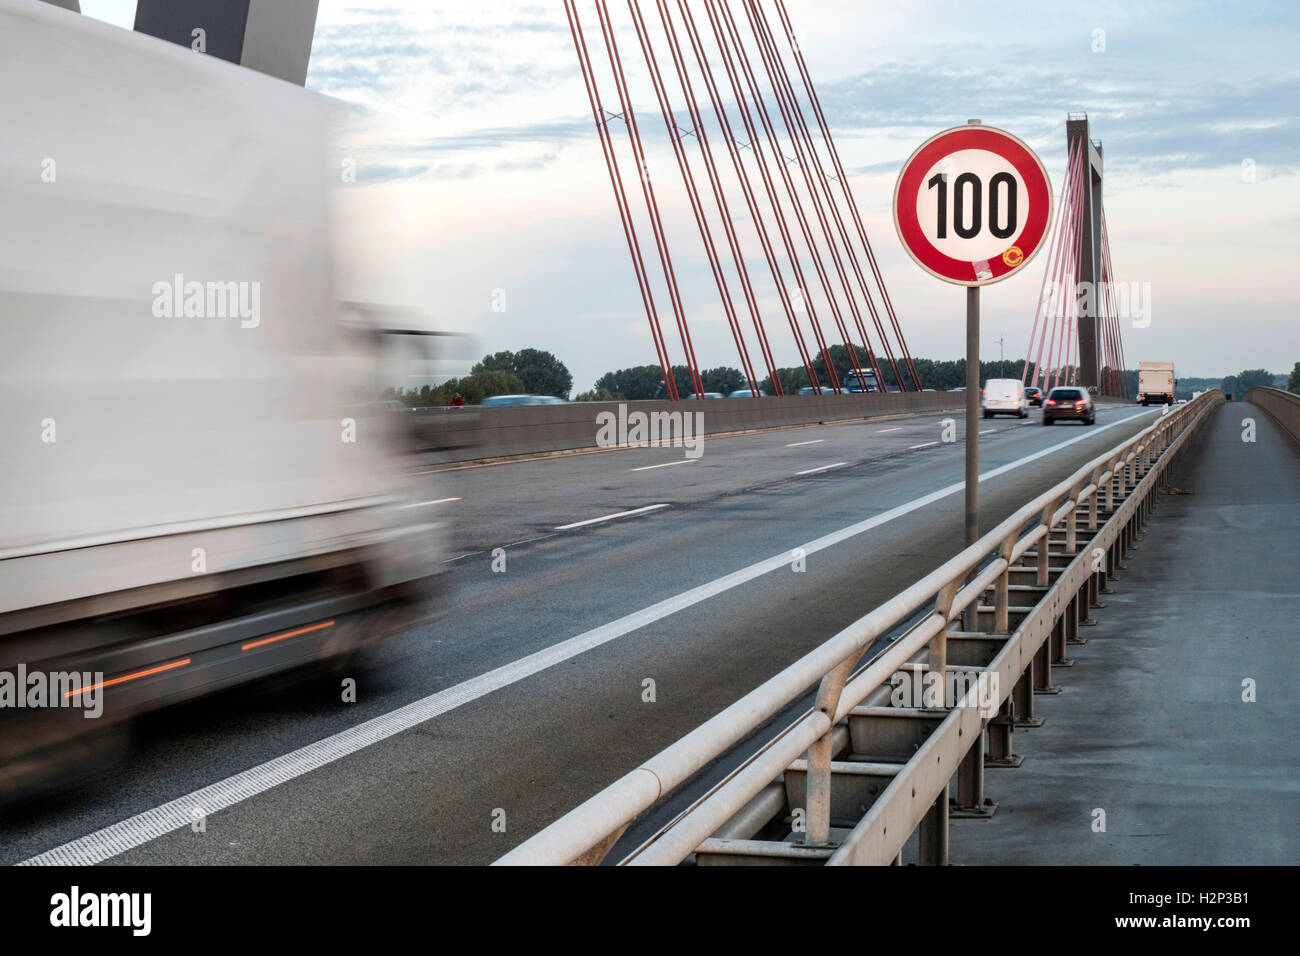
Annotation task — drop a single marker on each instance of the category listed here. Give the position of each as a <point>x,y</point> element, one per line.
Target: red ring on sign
<point>934,149</point>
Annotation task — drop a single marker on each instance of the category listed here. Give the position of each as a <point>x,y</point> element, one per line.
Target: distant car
<point>705,395</point>
<point>1034,394</point>
<point>501,401</point>
<point>892,388</point>
<point>1004,396</point>
<point>1069,403</point>
<point>810,390</point>
<point>960,389</point>
<point>745,393</point>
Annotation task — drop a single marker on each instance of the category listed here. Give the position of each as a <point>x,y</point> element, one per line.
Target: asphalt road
<point>472,732</point>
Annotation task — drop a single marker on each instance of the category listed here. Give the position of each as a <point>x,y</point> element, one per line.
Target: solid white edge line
<point>813,471</point>
<point>437,501</point>
<point>886,431</point>
<point>620,514</point>
<point>667,464</point>
<point>118,838</point>
<point>800,444</point>
<point>922,445</point>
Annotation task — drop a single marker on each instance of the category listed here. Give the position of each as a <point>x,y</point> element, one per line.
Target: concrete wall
<point>462,434</point>
<point>1283,406</point>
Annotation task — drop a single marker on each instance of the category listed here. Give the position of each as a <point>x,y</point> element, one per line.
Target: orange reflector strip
<point>281,637</point>
<point>127,677</point>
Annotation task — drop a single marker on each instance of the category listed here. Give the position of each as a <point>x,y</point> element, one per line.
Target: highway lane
<point>536,746</point>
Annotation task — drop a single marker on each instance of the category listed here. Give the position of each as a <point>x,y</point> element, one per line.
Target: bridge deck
<point>1150,726</point>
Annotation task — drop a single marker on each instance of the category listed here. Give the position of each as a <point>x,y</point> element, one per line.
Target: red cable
<point>848,195</point>
<point>665,108</point>
<point>782,227</point>
<point>778,159</point>
<point>719,194</point>
<point>1041,307</point>
<point>647,190</point>
<point>813,175</point>
<point>620,198</point>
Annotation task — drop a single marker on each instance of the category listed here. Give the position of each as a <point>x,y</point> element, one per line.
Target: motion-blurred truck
<point>195,490</point>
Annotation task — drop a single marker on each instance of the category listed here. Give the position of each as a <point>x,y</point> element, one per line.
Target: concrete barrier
<point>1283,406</point>
<point>471,433</point>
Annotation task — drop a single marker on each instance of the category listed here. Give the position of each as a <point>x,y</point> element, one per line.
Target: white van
<point>1004,396</point>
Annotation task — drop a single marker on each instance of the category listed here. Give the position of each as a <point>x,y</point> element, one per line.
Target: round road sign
<point>972,205</point>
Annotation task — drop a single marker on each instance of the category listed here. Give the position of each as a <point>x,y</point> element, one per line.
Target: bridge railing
<point>1119,482</point>
<point>1283,406</point>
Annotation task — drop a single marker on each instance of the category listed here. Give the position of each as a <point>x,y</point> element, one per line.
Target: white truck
<point>1156,383</point>
<point>193,492</point>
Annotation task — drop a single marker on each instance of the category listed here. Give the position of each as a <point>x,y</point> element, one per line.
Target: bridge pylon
<point>1089,271</point>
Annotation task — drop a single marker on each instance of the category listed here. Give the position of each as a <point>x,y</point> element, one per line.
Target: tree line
<point>528,371</point>
<point>537,372</point>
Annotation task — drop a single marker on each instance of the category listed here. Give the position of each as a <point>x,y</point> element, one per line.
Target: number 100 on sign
<point>972,205</point>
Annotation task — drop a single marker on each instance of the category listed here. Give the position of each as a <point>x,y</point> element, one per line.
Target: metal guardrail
<point>1120,485</point>
<point>1283,406</point>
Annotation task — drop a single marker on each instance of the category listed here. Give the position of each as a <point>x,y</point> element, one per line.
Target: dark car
<point>1066,403</point>
<point>1034,394</point>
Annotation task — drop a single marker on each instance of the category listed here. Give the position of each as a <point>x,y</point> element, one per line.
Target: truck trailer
<point>195,492</point>
<point>1156,383</point>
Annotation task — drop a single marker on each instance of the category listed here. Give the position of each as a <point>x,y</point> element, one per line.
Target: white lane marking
<point>620,514</point>
<point>989,431</point>
<point>925,444</point>
<point>799,444</point>
<point>667,464</point>
<point>813,471</point>
<point>436,501</point>
<point>886,431</point>
<point>144,827</point>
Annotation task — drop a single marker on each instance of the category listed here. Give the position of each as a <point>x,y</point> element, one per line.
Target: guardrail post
<point>932,834</point>
<point>1072,519</point>
<point>818,832</point>
<point>1000,729</point>
<point>1023,695</point>
<point>1058,640</point>
<point>1095,503</point>
<point>971,802</point>
<point>1085,601</point>
<point>1045,544</point>
<point>1043,670</point>
<point>1001,594</point>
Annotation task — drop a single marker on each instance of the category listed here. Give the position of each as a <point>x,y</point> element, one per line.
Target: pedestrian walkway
<point>1150,735</point>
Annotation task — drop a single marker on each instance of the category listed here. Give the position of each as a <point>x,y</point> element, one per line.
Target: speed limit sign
<point>972,205</point>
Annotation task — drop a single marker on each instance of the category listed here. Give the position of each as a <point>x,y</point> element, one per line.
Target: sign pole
<point>970,622</point>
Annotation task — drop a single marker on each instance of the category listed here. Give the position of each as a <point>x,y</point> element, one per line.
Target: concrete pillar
<point>1076,131</point>
<point>270,36</point>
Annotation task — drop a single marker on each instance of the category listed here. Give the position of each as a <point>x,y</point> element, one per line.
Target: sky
<point>481,200</point>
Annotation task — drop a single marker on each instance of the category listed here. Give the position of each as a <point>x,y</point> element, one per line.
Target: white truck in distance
<point>1156,383</point>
